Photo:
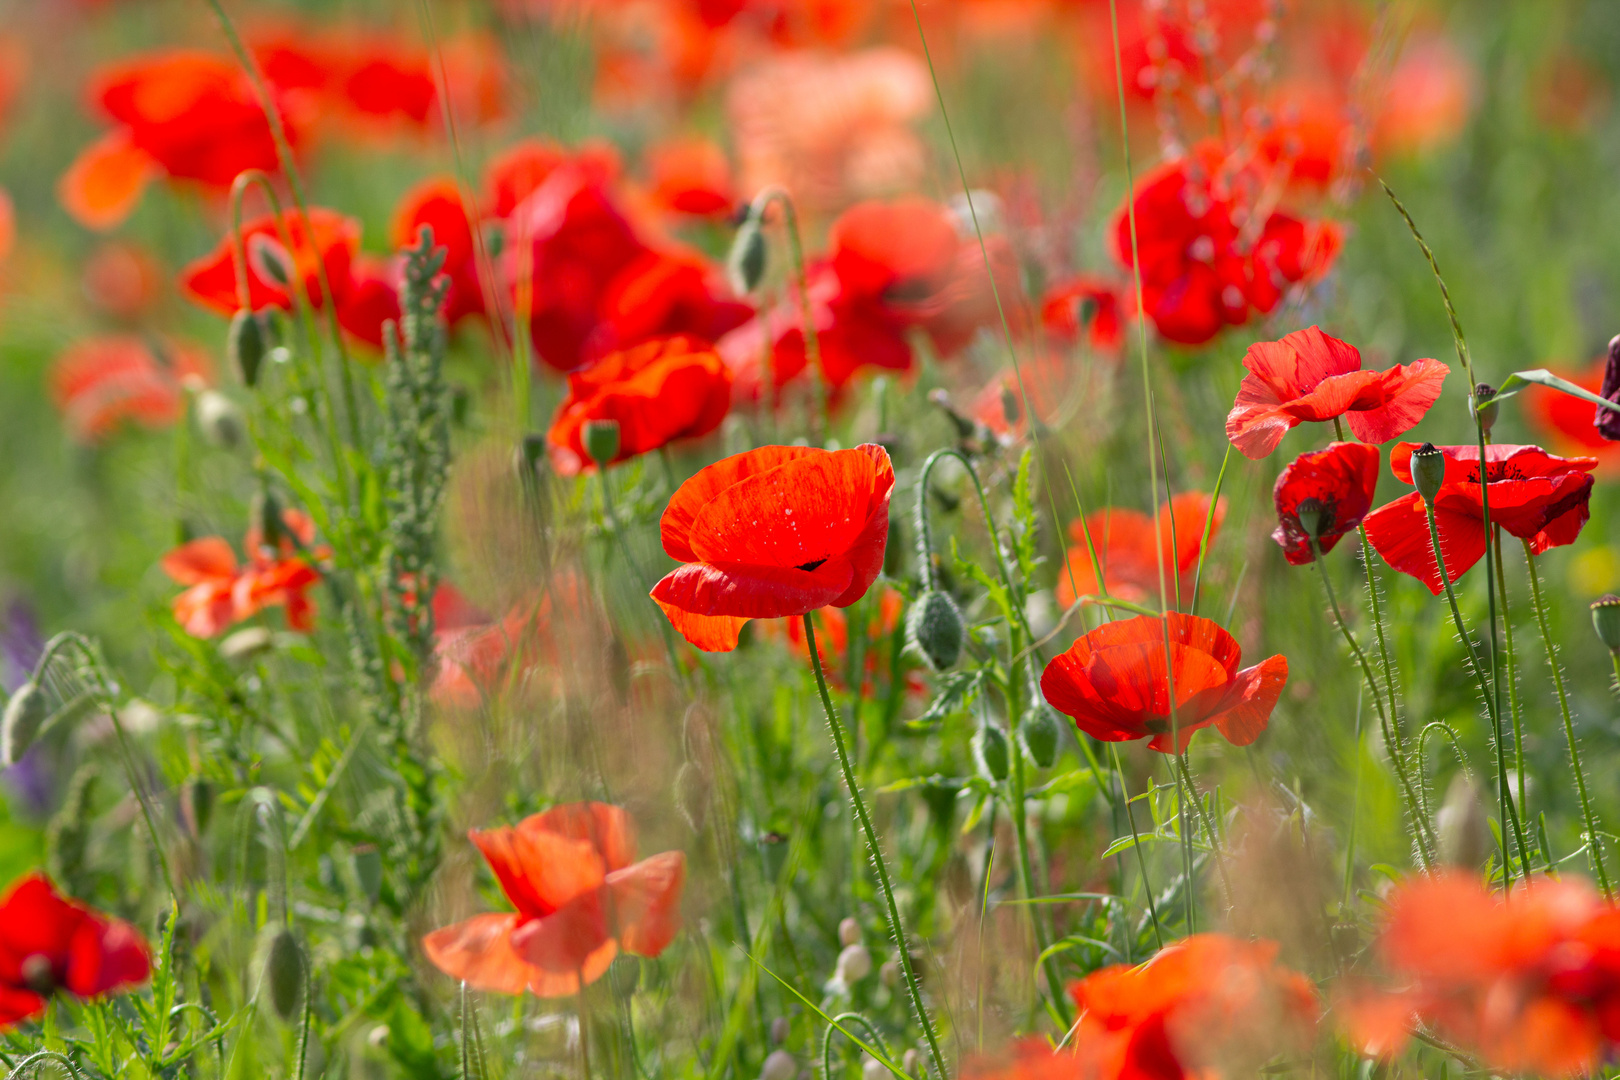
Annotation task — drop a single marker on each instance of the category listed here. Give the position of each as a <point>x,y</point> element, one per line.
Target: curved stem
<point>896,928</point>
<point>1511,670</point>
<point>832,1029</point>
<point>1593,840</point>
<point>812,338</point>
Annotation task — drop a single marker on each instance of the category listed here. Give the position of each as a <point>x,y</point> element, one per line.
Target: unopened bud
<point>990,750</point>
<point>849,931</point>
<point>1428,471</point>
<point>745,266</point>
<point>780,1065</point>
<point>220,420</point>
<point>781,1028</point>
<point>25,714</point>
<point>1461,825</point>
<point>1484,397</point>
<point>935,628</point>
<point>601,439</point>
<point>854,964</point>
<point>283,970</point>
<point>1009,406</point>
<point>368,871</point>
<point>244,645</point>
<point>246,344</point>
<point>873,1069</point>
<point>264,518</point>
<point>889,973</point>
<point>268,259</point>
<point>197,799</point>
<point>1606,620</point>
<point>1312,517</point>
<point>1040,729</point>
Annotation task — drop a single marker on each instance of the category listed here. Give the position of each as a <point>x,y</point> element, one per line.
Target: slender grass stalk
<point>896,928</point>
<point>1136,843</point>
<point>812,337</point>
<point>1512,681</point>
<point>1355,815</point>
<point>1209,527</point>
<point>1594,839</point>
<point>1203,818</point>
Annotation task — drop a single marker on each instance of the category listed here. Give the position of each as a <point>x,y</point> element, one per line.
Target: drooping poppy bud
<point>283,970</point>
<point>1428,471</point>
<point>1606,620</point>
<point>990,750</point>
<point>1485,396</point>
<point>1039,730</point>
<point>854,964</point>
<point>25,714</point>
<point>1462,825</point>
<point>601,438</point>
<point>746,264</point>
<point>265,518</point>
<point>935,628</point>
<point>220,420</point>
<point>246,343</point>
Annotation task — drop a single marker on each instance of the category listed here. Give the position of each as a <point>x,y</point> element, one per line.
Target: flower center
<point>812,565</point>
<point>38,975</point>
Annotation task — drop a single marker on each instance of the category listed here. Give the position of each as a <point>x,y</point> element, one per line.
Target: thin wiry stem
<point>1512,682</point>
<point>1136,843</point>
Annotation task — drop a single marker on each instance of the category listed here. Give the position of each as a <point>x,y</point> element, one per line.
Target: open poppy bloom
<point>1116,685</point>
<point>101,381</point>
<point>223,591</point>
<point>1311,376</point>
<point>770,533</point>
<point>50,943</point>
<point>671,388</point>
<point>1208,1007</point>
<point>1128,550</point>
<point>581,899</point>
<point>1530,982</point>
<point>1534,495</point>
<point>437,204</point>
<point>1335,486</point>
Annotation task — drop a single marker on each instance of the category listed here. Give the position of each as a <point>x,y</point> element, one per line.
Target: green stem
<point>1136,843</point>
<point>1593,838</point>
<point>1203,818</point>
<point>1017,806</point>
<point>1512,680</point>
<point>896,928</point>
<point>812,338</point>
<point>611,521</point>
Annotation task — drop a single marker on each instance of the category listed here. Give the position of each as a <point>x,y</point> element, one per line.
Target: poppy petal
<point>646,902</point>
<point>753,592</point>
<point>689,500</point>
<point>206,559</point>
<point>1399,531</point>
<point>710,633</point>
<point>803,512</point>
<point>1254,695</point>
<point>539,870</point>
<point>479,952</point>
<point>606,828</point>
<point>1412,390</point>
<point>104,184</point>
<point>565,940</point>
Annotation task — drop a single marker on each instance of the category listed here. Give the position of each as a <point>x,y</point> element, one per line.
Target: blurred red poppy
<point>1341,481</point>
<point>832,641</point>
<point>1534,495</point>
<point>1085,308</point>
<point>49,943</point>
<point>1572,425</point>
<point>121,279</point>
<point>773,532</point>
<point>1311,376</point>
<point>101,381</point>
<point>223,592</point>
<point>517,172</point>
<point>581,899</point>
<point>1208,1006</point>
<point>1116,684</point>
<point>691,176</point>
<point>437,203</point>
<point>1128,550</point>
<point>666,389</point>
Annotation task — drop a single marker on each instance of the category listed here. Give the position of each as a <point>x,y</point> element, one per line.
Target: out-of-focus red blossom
<point>478,654</point>
<point>1427,98</point>
<point>770,533</point>
<point>222,591</point>
<point>1115,682</point>
<point>581,899</point>
<point>1529,983</point>
<point>999,405</point>
<point>657,392</point>
<point>691,176</point>
<point>832,641</point>
<point>1568,422</point>
<point>517,172</point>
<point>49,943</point>
<point>363,288</point>
<point>437,203</point>
<point>99,382</point>
<point>8,225</point>
<point>1310,133</point>
<point>121,279</point>
<point>1341,479</point>
<point>1309,376</point>
<point>1089,309</point>
<point>1128,548</point>
<point>1534,495</point>
<point>1208,1007</point>
<point>189,116</point>
<point>1208,258</point>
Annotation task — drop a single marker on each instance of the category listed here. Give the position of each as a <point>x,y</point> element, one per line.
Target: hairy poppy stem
<point>1512,681</point>
<point>896,928</point>
<point>1593,837</point>
<point>812,338</point>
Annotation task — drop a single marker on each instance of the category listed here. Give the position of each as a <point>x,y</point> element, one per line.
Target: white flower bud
<point>854,964</point>
<point>779,1066</point>
<point>849,932</point>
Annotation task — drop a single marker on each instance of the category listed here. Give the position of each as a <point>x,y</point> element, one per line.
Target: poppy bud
<point>282,970</point>
<point>197,799</point>
<point>873,1069</point>
<point>1428,471</point>
<point>1606,620</point>
<point>601,438</point>
<point>781,1028</point>
<point>1484,393</point>
<point>849,931</point>
<point>1461,825</point>
<point>244,645</point>
<point>368,870</point>
<point>745,266</point>
<point>1009,406</point>
<point>889,973</point>
<point>219,419</point>
<point>25,714</point>
<point>990,749</point>
<point>779,1066</point>
<point>1313,516</point>
<point>854,964</point>
<point>1039,730</point>
<point>935,628</point>
<point>269,260</point>
<point>264,515</point>
<point>246,344</point>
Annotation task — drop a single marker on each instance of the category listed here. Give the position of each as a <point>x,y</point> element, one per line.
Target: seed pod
<point>1311,514</point>
<point>990,750</point>
<point>283,970</point>
<point>601,438</point>
<point>780,1065</point>
<point>935,628</point>
<point>1606,620</point>
<point>1428,471</point>
<point>246,344</point>
<point>746,264</point>
<point>1040,729</point>
<point>849,931</point>
<point>1462,826</point>
<point>25,714</point>
<point>368,870</point>
<point>1484,393</point>
<point>854,964</point>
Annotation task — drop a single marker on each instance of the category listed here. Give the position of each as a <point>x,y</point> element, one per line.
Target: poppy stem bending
<point>896,928</point>
<point>1593,837</point>
<point>801,282</point>
<point>1419,819</point>
<point>1504,794</point>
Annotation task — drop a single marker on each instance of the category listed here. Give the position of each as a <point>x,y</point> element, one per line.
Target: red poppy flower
<point>437,204</point>
<point>770,533</point>
<point>1534,495</point>
<point>1569,423</point>
<point>1128,549</point>
<point>1207,1006</point>
<point>1085,307</point>
<point>691,176</point>
<point>662,293</point>
<point>1311,376</point>
<point>222,592</point>
<point>667,389</point>
<point>1116,685</point>
<point>518,172</point>
<point>101,381</point>
<point>1341,479</point>
<point>187,115</point>
<point>122,279</point>
<point>49,943</point>
<point>581,899</point>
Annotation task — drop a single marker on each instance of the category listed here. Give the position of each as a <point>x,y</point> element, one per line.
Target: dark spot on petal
<point>811,566</point>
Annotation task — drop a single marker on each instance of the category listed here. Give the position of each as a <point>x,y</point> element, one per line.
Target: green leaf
<point>1124,843</point>
<point>956,692</point>
<point>1542,377</point>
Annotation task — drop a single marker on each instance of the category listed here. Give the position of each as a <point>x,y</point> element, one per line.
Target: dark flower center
<point>812,565</point>
<point>38,975</point>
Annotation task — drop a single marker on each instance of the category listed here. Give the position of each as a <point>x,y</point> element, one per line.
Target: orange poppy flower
<point>1116,684</point>
<point>581,899</point>
<point>770,533</point>
<point>222,592</point>
<point>101,381</point>
<point>1128,550</point>
<point>667,389</point>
